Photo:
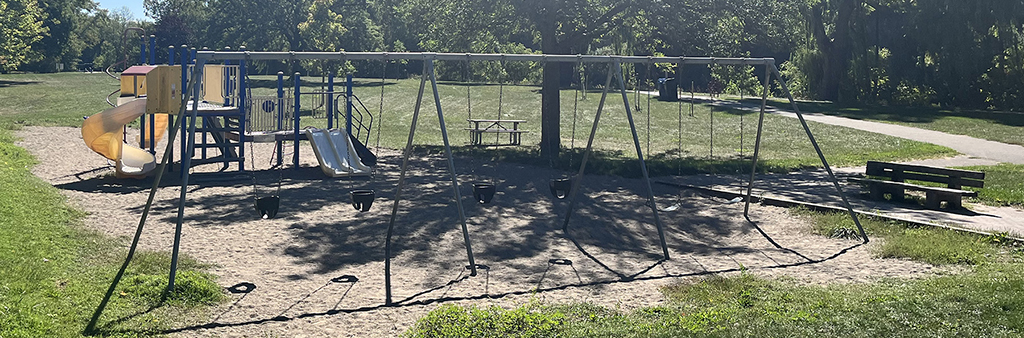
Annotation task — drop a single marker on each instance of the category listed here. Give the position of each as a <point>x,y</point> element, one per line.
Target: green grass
<point>53,273</point>
<point>53,99</point>
<point>785,146</point>
<point>987,300</point>
<point>931,245</point>
<point>1004,184</point>
<point>1006,127</point>
<point>63,99</point>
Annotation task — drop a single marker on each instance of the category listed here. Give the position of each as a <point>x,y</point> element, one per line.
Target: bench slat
<point>933,178</point>
<point>497,131</point>
<point>901,172</point>
<point>912,186</point>
<point>875,166</point>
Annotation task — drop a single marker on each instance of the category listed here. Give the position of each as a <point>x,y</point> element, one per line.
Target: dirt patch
<point>614,246</point>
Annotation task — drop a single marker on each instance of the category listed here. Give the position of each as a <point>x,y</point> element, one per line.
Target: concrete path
<point>815,187</point>
<point>973,147</point>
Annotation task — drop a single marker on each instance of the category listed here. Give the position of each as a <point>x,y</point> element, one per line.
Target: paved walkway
<point>970,146</point>
<point>814,186</point>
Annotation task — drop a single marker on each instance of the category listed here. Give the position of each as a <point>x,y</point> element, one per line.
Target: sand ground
<point>614,245</point>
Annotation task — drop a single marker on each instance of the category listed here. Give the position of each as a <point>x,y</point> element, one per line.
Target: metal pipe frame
<point>616,71</point>
<point>428,71</point>
<point>186,162</point>
<point>386,56</point>
<point>757,141</point>
<point>824,162</point>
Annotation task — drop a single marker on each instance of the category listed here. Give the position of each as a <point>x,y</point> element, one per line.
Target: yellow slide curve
<point>104,132</point>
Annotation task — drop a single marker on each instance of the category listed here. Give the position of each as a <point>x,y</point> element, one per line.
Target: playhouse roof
<point>138,70</point>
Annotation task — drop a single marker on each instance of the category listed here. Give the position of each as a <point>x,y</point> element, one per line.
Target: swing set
<point>564,187</point>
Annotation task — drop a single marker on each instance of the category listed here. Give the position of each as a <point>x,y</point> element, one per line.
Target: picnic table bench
<point>476,132</point>
<point>895,174</point>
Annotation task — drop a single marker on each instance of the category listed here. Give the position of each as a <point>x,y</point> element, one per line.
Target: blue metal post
<point>142,50</point>
<point>330,100</point>
<point>228,85</point>
<point>348,105</point>
<point>242,111</point>
<point>199,97</point>
<point>152,49</point>
<point>295,152</point>
<point>185,61</point>
<point>280,116</point>
<point>170,119</point>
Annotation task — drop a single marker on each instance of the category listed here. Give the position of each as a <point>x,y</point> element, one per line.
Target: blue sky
<point>133,5</point>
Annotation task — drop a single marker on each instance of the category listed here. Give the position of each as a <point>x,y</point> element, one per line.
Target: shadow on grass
<point>8,83</point>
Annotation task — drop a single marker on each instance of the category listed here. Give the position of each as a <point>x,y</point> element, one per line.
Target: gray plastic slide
<point>336,154</point>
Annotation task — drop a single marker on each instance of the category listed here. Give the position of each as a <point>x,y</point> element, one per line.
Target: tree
<point>61,44</point>
<point>836,48</point>
<point>565,27</point>
<point>21,26</point>
<point>552,26</point>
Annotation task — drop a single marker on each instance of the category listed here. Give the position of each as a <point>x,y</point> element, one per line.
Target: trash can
<point>668,89</point>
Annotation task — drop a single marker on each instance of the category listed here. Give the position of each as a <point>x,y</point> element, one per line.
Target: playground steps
<point>211,133</point>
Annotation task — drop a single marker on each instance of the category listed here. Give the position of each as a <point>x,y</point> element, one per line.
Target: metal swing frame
<point>192,90</point>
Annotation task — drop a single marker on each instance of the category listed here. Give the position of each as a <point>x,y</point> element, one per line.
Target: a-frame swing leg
<point>824,162</point>
<point>616,70</point>
<point>190,150</point>
<point>428,71</point>
<point>757,141</point>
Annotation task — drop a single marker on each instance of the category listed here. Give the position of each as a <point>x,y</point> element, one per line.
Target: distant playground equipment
<point>237,104</point>
<point>228,117</point>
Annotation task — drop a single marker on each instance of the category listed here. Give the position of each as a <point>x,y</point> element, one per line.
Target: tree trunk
<point>550,133</point>
<point>835,49</point>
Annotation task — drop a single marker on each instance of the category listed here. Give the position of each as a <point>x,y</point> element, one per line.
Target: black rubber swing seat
<point>267,206</point>
<point>362,199</point>
<point>560,187</point>
<point>483,192</point>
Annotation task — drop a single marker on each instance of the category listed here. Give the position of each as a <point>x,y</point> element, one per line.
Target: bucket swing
<point>560,187</point>
<point>362,199</point>
<point>483,191</point>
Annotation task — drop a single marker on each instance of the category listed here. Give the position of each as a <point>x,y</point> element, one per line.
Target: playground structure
<point>228,117</point>
<point>190,110</point>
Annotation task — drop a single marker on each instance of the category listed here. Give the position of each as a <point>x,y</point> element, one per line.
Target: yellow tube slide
<point>104,132</point>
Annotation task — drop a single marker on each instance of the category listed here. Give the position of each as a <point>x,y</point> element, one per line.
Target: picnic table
<point>479,127</point>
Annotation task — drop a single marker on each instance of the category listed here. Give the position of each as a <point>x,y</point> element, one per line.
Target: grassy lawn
<point>985,301</point>
<point>712,140</point>
<point>53,99</point>
<point>1003,184</point>
<point>1006,127</point>
<point>53,273</point>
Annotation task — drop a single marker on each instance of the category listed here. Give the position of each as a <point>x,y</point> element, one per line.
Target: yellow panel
<point>128,85</point>
<point>141,85</point>
<point>164,92</point>
<point>213,84</point>
<point>164,98</point>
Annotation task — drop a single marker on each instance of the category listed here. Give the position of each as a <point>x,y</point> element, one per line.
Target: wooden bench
<point>895,175</point>
<point>495,127</point>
